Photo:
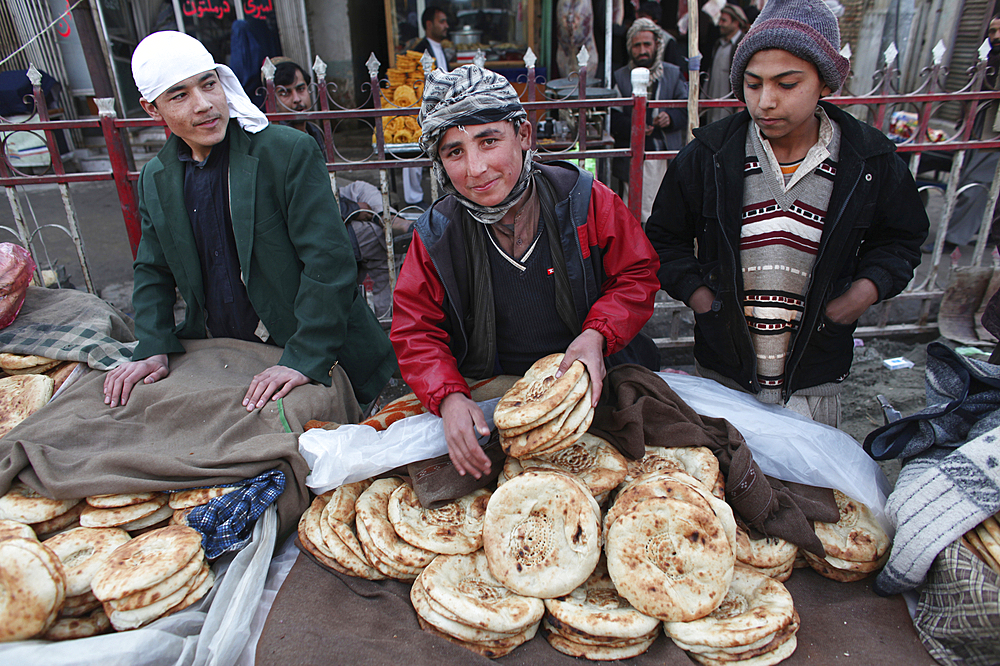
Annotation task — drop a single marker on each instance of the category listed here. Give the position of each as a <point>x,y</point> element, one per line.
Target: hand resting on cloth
<point>188,430</point>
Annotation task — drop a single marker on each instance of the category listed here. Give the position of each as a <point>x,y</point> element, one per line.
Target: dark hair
<point>429,14</point>
<point>284,73</point>
<point>651,9</point>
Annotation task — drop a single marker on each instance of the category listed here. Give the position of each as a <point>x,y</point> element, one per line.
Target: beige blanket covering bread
<point>186,430</point>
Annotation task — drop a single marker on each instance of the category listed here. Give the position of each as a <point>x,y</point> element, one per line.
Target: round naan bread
<point>560,413</point>
<point>373,511</point>
<point>856,536</point>
<point>545,434</point>
<point>163,589</point>
<point>310,536</point>
<point>598,652</point>
<point>537,393</point>
<point>782,652</point>
<point>186,499</point>
<point>596,609</point>
<point>452,529</point>
<point>542,534</point>
<point>341,540</point>
<point>592,460</point>
<point>70,628</point>
<point>145,561</point>
<point>465,585</point>
<point>427,610</point>
<point>79,606</point>
<point>767,553</point>
<point>670,559</point>
<point>381,561</point>
<point>13,528</point>
<point>32,588</point>
<point>13,362</point>
<point>755,607</point>
<point>83,551</point>
<point>23,504</point>
<point>697,461</point>
<point>70,519</point>
<point>117,500</point>
<point>491,649</point>
<point>93,517</point>
<point>20,397</point>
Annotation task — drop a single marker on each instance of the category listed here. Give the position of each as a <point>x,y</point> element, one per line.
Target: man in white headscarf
<point>238,215</point>
<point>520,260</point>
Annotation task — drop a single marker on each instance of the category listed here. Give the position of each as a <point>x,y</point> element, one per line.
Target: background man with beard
<point>664,127</point>
<point>291,88</point>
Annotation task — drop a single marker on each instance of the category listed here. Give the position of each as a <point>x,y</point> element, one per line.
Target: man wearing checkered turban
<point>517,261</point>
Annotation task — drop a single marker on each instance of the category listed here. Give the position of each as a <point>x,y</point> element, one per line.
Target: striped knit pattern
<point>779,241</point>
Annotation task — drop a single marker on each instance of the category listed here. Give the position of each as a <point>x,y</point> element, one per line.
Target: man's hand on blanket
<point>463,423</point>
<point>588,348</point>
<point>278,378</point>
<point>119,381</point>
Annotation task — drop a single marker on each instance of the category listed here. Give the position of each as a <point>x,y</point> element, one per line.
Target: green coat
<point>294,252</point>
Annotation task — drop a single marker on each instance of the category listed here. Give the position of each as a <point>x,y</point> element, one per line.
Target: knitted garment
<point>806,29</point>
<point>779,242</point>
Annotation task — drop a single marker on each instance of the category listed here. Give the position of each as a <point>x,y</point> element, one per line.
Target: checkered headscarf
<point>470,95</point>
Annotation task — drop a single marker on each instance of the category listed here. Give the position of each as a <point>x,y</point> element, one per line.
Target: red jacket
<point>609,261</point>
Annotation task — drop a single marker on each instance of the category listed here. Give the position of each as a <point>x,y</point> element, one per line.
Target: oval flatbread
<point>373,511</point>
<point>592,460</point>
<point>182,579</point>
<point>70,628</point>
<point>83,551</point>
<point>755,608</point>
<point>145,561</point>
<point>186,499</point>
<point>25,505</point>
<point>117,500</point>
<point>93,517</point>
<point>20,397</point>
<point>542,534</point>
<point>30,595</point>
<point>766,553</point>
<point>465,585</point>
<point>560,413</point>
<point>598,652</point>
<point>671,559</point>
<point>454,528</point>
<point>67,520</point>
<point>856,536</point>
<point>12,528</point>
<point>12,362</point>
<point>537,393</point>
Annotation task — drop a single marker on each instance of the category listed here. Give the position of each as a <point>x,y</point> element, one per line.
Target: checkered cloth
<point>226,523</point>
<point>70,325</point>
<point>958,615</point>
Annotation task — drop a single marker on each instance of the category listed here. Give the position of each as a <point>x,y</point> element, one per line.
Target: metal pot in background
<point>465,36</point>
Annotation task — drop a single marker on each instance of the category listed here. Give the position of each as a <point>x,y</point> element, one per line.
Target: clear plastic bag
<point>789,446</point>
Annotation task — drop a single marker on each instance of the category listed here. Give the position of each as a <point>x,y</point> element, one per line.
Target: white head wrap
<point>166,58</point>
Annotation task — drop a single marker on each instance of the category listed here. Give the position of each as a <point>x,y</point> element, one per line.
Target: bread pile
<point>32,586</point>
<point>771,556</point>
<point>542,533</point>
<point>755,624</point>
<point>594,622</point>
<point>671,546</point>
<point>543,414</point>
<point>82,551</point>
<point>152,576</point>
<point>43,515</point>
<point>984,541</point>
<point>855,545</point>
<point>698,461</point>
<point>591,460</point>
<point>458,598</point>
<point>132,512</point>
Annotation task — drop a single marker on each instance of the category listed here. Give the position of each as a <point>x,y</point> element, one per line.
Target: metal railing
<point>386,158</point>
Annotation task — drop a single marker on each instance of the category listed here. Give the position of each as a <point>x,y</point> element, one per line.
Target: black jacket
<point>874,228</point>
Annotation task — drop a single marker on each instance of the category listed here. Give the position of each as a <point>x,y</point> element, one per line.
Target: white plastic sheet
<point>212,632</point>
<point>355,452</point>
<point>789,446</point>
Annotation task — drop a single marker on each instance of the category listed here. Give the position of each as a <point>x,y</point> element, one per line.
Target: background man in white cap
<point>518,261</point>
<point>239,216</point>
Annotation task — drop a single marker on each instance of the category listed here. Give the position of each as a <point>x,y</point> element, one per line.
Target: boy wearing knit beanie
<point>803,218</point>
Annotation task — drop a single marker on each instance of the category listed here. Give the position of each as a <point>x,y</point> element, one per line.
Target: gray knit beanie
<point>805,28</point>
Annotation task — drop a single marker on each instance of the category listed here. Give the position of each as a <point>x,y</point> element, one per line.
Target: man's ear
<point>150,109</point>
<point>524,134</point>
<point>825,92</point>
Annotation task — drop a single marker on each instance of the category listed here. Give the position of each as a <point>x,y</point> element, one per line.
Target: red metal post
<point>637,145</point>
<point>119,168</point>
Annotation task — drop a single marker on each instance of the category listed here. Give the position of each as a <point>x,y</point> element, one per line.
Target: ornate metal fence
<point>578,137</point>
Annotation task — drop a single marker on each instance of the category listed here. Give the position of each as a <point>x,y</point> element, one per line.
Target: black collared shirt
<point>228,312</point>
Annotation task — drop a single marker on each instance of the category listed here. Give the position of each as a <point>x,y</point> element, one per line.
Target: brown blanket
<point>186,430</point>
<point>638,409</point>
<point>322,617</point>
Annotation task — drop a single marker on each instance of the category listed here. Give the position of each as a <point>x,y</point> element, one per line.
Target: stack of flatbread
<point>455,528</point>
<point>855,545</point>
<point>29,364</point>
<point>32,587</point>
<point>984,541</point>
<point>388,553</point>
<point>45,516</point>
<point>542,414</point>
<point>698,461</point>
<point>542,534</point>
<point>459,599</point>
<point>755,624</point>
<point>771,556</point>
<point>82,551</point>
<point>327,532</point>
<point>182,501</point>
<point>592,460</point>
<point>153,575</point>
<point>594,622</point>
<point>671,546</point>
<point>132,512</point>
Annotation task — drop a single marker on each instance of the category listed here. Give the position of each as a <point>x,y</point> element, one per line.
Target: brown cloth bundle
<point>639,409</point>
